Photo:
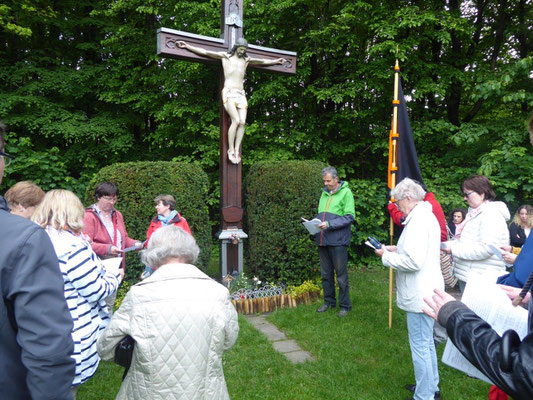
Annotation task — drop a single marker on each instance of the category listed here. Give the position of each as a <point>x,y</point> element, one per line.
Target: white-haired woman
<point>86,281</point>
<point>416,260</point>
<point>181,320</point>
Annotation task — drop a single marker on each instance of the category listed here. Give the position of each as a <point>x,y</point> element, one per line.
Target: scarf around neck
<point>165,220</point>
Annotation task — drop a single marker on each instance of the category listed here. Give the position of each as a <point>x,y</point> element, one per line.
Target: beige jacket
<point>182,321</point>
<point>471,252</point>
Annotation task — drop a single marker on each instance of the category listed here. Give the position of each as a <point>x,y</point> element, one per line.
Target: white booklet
<point>312,226</point>
<point>490,302</point>
<point>112,264</point>
<point>497,252</point>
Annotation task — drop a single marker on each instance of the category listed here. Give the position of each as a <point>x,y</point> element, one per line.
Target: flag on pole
<point>403,161</point>
<point>407,160</point>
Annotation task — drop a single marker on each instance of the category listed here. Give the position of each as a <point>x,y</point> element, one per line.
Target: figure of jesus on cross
<point>234,64</point>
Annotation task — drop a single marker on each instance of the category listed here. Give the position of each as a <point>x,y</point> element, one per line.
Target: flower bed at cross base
<point>271,303</point>
<point>250,297</point>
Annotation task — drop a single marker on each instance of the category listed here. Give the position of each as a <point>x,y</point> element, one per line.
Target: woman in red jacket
<point>165,205</point>
<point>104,225</point>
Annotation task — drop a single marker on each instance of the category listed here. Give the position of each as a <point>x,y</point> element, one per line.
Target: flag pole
<point>393,168</point>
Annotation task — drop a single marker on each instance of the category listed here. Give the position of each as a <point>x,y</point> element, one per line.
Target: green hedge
<point>277,195</point>
<point>371,219</point>
<point>140,182</point>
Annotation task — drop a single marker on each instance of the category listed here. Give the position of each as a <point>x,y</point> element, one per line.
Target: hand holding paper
<point>312,226</point>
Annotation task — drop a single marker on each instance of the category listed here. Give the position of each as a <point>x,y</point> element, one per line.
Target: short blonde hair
<point>60,209</point>
<point>25,193</point>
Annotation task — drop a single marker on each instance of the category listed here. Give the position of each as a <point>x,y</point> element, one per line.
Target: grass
<point>356,357</point>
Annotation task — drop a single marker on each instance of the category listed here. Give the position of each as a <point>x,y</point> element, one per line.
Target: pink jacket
<point>101,241</point>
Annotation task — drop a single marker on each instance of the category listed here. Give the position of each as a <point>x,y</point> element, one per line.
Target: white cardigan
<point>417,259</point>
<point>471,252</point>
<point>182,321</point>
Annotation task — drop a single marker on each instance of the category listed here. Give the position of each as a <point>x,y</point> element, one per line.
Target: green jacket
<point>338,210</point>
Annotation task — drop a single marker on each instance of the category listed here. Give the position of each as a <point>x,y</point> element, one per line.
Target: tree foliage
<point>81,81</point>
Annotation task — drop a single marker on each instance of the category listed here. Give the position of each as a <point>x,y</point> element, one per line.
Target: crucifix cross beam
<point>167,46</point>
<point>234,55</point>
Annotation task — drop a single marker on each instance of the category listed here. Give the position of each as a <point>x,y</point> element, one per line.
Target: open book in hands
<point>373,242</point>
<point>312,226</point>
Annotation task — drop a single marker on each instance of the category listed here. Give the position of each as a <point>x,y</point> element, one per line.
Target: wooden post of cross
<point>231,233</point>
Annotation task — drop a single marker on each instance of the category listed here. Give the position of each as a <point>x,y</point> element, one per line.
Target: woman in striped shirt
<point>86,281</point>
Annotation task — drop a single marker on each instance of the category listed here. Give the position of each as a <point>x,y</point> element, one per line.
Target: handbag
<point>446,267</point>
<point>124,353</point>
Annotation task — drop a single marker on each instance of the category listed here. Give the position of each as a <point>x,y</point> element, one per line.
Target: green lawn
<point>357,357</point>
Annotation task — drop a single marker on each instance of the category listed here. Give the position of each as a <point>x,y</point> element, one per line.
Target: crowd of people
<point>59,290</point>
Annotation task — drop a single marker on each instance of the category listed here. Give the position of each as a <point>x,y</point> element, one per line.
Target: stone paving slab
<point>298,357</point>
<point>288,347</point>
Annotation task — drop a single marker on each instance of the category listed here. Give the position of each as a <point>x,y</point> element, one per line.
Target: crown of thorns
<point>240,42</point>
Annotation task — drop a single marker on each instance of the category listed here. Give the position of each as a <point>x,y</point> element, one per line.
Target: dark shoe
<point>343,312</point>
<point>412,388</point>
<point>323,308</point>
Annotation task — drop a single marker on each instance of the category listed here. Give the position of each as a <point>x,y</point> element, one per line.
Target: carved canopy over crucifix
<point>168,45</point>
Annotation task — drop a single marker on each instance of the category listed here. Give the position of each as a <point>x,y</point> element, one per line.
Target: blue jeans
<point>334,259</point>
<point>420,328</point>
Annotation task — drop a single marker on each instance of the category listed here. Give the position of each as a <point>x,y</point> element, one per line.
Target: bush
<point>140,182</point>
<point>371,218</point>
<point>277,195</point>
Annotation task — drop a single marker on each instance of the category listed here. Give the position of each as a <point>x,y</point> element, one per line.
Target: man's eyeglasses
<point>7,158</point>
<point>110,198</point>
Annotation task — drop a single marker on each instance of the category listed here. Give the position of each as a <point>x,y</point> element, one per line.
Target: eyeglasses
<point>7,158</point>
<point>467,195</point>
<point>110,198</point>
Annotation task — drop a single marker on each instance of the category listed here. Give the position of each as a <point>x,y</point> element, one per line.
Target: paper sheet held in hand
<point>491,303</point>
<point>112,264</point>
<point>312,226</point>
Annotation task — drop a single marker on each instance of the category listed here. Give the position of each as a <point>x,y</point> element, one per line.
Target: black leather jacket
<point>482,346</point>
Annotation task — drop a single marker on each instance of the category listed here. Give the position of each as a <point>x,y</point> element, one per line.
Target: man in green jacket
<point>337,213</point>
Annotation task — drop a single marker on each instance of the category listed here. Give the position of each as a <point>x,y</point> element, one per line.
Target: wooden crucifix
<point>235,55</point>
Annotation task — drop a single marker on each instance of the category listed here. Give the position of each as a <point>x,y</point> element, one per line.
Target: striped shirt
<point>86,284</point>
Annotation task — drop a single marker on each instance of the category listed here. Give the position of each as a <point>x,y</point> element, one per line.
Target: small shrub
<point>306,287</point>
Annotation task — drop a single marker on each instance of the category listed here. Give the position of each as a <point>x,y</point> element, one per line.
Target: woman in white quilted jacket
<point>485,224</point>
<point>181,320</point>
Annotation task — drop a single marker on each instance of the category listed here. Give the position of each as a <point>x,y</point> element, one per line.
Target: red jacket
<point>398,217</point>
<point>178,220</point>
<point>101,241</point>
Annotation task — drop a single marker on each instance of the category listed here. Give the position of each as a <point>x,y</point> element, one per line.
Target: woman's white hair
<point>170,242</point>
<point>408,188</point>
